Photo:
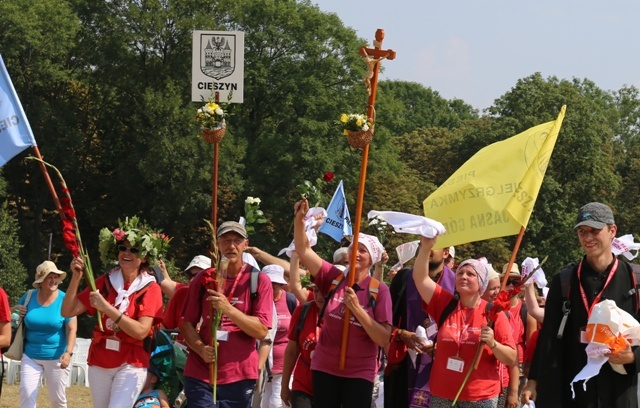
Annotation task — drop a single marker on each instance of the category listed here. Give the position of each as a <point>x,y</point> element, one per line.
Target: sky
<point>477,50</point>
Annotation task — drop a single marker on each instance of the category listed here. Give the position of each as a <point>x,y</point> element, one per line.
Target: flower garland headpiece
<point>152,244</point>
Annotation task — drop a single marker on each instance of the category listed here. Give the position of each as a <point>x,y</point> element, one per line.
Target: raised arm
<point>425,285</point>
<point>71,305</point>
<point>308,257</point>
<point>295,285</point>
<point>531,300</point>
<point>167,285</point>
<point>378,270</point>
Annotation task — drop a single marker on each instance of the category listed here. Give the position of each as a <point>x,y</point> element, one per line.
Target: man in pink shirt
<point>246,317</point>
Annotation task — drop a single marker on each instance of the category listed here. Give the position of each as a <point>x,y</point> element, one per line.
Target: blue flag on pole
<point>338,222</point>
<point>15,132</point>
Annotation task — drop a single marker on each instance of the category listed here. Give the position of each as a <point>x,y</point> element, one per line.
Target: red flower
<point>328,176</point>
<point>209,279</point>
<point>68,226</point>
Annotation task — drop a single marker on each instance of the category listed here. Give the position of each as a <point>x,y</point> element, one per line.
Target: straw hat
<point>43,270</point>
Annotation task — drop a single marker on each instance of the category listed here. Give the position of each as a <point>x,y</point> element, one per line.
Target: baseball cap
<point>595,215</point>
<point>232,226</point>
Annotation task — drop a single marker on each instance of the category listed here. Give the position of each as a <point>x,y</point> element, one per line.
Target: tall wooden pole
<point>373,56</point>
<point>214,189</point>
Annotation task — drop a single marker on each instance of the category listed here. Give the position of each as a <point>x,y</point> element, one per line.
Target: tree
<point>13,274</point>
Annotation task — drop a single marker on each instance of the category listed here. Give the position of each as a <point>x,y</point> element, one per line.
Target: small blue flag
<point>338,222</point>
<point>15,132</point>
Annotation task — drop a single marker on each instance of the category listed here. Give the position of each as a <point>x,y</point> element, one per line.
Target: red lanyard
<point>606,283</point>
<point>235,283</point>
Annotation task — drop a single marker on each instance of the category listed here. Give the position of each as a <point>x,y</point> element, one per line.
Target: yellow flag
<point>492,195</point>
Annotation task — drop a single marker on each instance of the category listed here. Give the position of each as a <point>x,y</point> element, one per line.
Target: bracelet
<point>68,352</point>
<point>119,318</point>
<point>495,344</point>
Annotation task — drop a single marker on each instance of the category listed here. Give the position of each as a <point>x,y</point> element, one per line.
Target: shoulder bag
<point>17,345</point>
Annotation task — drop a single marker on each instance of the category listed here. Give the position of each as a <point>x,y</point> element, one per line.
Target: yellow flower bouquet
<point>358,129</point>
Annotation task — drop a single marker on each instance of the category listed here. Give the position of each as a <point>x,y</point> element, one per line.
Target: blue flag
<point>15,132</point>
<point>338,222</point>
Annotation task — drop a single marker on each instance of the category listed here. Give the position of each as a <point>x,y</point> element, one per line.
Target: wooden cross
<point>372,57</point>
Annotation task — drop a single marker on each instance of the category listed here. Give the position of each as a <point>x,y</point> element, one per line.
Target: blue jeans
<point>235,395</point>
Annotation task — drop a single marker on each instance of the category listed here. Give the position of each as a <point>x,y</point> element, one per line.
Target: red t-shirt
<point>517,331</point>
<point>173,312</point>
<point>147,303</point>
<point>307,340</point>
<point>5,309</point>
<point>237,356</point>
<point>280,342</point>
<point>362,352</point>
<point>484,382</point>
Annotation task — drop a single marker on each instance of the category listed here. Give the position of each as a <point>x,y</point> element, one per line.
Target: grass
<point>77,396</point>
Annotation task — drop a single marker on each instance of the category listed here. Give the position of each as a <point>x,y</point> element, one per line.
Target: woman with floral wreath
<point>130,304</point>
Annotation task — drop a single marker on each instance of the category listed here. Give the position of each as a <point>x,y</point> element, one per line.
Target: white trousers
<point>31,372</point>
<point>116,387</point>
<point>271,397</point>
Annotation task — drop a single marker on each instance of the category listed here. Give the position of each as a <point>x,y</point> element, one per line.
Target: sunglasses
<point>513,281</point>
<point>124,248</point>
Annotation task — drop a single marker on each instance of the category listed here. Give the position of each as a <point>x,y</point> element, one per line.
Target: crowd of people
<point>272,336</point>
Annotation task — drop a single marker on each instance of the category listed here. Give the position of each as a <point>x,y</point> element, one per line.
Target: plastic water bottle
<point>15,318</point>
<point>180,400</point>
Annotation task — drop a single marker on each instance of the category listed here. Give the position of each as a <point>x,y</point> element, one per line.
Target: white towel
<point>409,223</point>
<point>117,281</point>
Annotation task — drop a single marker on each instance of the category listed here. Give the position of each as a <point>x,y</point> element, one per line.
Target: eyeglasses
<point>513,281</point>
<point>124,248</point>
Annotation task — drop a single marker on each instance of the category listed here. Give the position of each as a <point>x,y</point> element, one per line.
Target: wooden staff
<point>214,192</point>
<point>512,260</point>
<point>373,55</point>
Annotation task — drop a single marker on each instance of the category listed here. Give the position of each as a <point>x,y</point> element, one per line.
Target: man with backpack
<point>560,352</point>
<point>246,317</point>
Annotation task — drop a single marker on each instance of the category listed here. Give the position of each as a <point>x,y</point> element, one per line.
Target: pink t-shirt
<point>237,356</point>
<point>459,338</point>
<point>362,352</point>
<point>280,342</point>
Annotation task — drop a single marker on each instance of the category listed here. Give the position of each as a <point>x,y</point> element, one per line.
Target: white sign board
<point>217,66</point>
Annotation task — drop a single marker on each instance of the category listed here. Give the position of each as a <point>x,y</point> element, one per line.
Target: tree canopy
<point>106,88</point>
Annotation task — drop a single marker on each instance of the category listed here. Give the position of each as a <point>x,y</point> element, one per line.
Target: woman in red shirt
<point>130,302</point>
<point>461,332</point>
<point>299,351</point>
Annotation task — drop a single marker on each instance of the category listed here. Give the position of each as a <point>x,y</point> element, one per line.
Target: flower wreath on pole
<point>211,117</point>
<point>358,129</point>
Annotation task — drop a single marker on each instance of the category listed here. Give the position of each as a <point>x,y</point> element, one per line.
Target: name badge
<point>455,364</point>
<point>222,335</point>
<point>113,343</point>
<point>432,330</point>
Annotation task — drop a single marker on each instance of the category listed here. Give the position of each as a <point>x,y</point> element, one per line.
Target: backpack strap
<point>448,310</point>
<point>253,284</point>
<point>292,302</point>
<point>337,281</point>
<point>303,316</point>
<point>565,288</point>
<point>374,289</point>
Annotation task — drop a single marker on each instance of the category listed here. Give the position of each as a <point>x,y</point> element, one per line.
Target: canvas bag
<point>17,345</point>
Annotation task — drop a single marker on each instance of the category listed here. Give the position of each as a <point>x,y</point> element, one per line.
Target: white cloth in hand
<point>409,223</point>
